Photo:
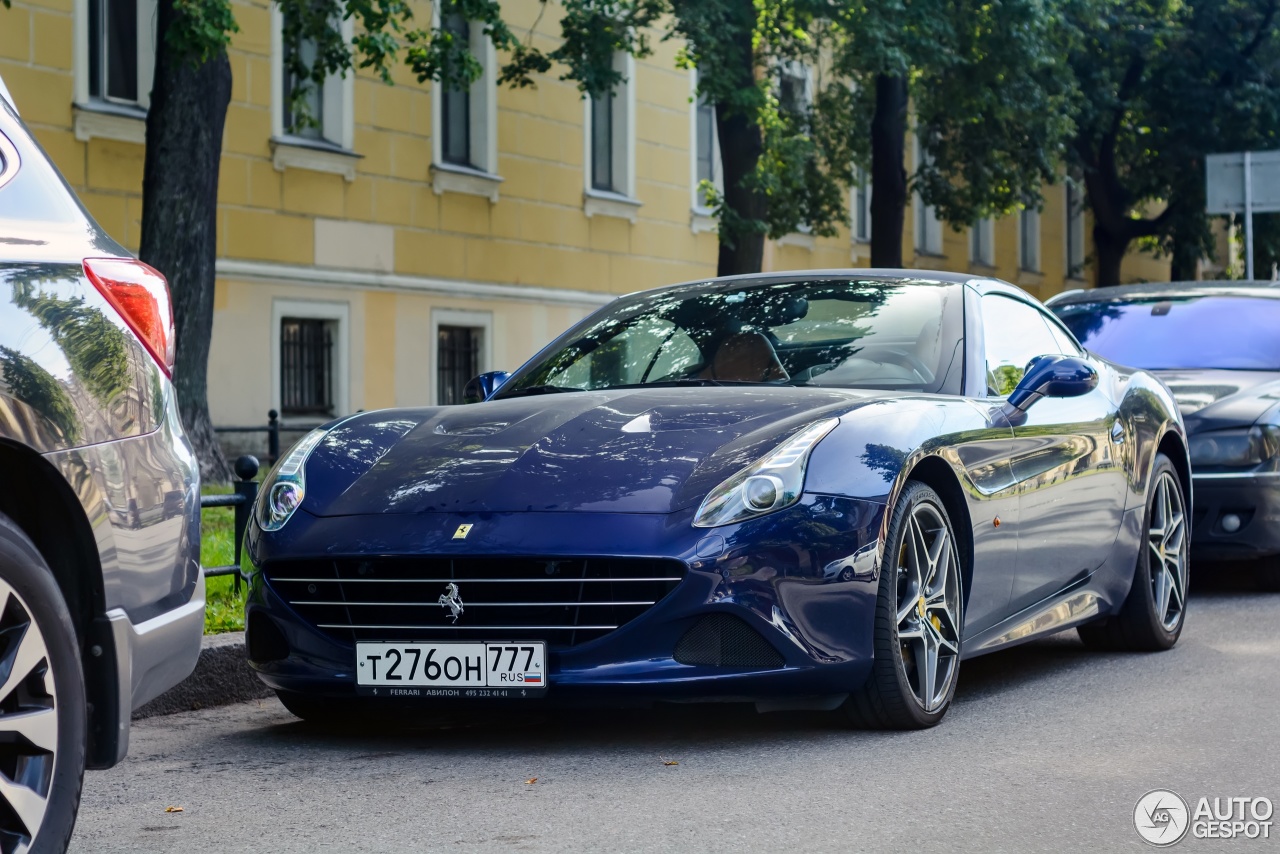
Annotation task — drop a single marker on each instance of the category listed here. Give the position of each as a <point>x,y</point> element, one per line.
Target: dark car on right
<point>1217,346</point>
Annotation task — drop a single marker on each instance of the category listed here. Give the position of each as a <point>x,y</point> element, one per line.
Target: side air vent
<point>722,640</point>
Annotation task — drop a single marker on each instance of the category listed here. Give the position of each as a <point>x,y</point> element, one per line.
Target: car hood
<point>1214,399</point>
<point>624,451</point>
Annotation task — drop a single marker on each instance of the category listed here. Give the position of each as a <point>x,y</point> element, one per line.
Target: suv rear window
<point>31,190</point>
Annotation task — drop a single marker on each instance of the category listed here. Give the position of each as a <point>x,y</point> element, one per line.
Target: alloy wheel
<point>1167,539</point>
<point>28,724</point>
<point>928,613</point>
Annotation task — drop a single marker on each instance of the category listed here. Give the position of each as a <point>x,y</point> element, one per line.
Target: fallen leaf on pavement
<point>670,762</point>
<point>531,781</point>
<point>173,809</point>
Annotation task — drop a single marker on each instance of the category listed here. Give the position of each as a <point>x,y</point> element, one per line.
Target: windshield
<point>865,334</point>
<point>1225,332</point>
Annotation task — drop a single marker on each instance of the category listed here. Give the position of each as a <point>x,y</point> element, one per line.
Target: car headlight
<point>770,483</point>
<point>1258,444</point>
<point>283,490</point>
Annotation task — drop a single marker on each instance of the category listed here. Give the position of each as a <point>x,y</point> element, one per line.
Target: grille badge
<point>461,533</point>
<point>451,600</point>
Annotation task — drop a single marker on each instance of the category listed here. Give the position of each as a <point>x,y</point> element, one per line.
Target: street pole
<point>1248,216</point>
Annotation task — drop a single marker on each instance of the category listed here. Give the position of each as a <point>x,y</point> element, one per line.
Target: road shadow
<point>996,678</point>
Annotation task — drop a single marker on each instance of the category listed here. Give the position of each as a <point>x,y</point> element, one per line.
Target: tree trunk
<point>888,174</point>
<point>1109,250</point>
<point>1184,262</point>
<point>179,219</point>
<point>741,145</point>
<point>742,247</point>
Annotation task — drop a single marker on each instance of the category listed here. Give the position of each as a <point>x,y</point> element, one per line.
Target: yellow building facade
<point>415,236</point>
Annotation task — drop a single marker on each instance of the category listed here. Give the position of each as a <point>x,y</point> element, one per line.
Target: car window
<point>1015,334</point>
<point>823,332</point>
<point>1224,332</point>
<point>649,350</point>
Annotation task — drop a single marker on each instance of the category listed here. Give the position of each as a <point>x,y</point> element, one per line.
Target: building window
<point>306,366</point>
<point>982,249</point>
<point>610,121</point>
<point>706,150</point>
<point>457,360</point>
<point>1075,229</point>
<point>455,111</point>
<point>305,117</point>
<point>602,174</point>
<point>1029,240</point>
<point>121,56</point>
<point>928,226</point>
<point>861,197</point>
<point>324,115</point>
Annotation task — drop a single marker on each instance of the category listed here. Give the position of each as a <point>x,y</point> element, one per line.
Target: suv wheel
<point>42,703</point>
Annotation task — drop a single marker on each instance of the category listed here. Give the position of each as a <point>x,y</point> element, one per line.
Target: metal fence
<point>272,429</point>
<point>241,502</point>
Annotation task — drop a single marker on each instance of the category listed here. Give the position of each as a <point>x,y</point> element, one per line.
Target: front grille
<point>563,601</point>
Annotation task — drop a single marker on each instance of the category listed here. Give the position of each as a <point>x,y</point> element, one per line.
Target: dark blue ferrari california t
<point>807,490</point>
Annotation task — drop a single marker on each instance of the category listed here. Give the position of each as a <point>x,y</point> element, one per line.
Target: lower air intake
<point>722,640</point>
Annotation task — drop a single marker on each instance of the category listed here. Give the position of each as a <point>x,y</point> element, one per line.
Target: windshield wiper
<point>536,389</point>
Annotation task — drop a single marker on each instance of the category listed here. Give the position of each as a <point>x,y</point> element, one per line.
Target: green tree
<point>1163,83</point>
<point>991,96</point>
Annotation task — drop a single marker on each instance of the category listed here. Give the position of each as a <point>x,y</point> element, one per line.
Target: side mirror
<point>1053,376</point>
<point>481,388</point>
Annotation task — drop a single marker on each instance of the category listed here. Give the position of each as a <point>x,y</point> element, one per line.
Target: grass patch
<point>224,608</point>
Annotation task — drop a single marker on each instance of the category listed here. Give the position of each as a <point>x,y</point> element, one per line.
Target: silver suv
<point>101,590</point>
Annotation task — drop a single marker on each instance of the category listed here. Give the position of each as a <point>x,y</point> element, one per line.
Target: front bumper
<point>804,579</point>
<point>1254,499</point>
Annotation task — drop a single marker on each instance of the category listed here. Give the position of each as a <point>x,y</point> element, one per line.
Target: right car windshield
<point>1225,332</point>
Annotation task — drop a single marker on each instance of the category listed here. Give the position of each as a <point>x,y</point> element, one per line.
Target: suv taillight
<point>141,295</point>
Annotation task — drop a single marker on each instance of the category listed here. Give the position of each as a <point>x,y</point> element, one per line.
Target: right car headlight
<point>770,483</point>
<point>1248,447</point>
<point>286,485</point>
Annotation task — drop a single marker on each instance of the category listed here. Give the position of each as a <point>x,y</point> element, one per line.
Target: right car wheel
<point>1153,613</point>
<point>43,726</point>
<point>918,617</point>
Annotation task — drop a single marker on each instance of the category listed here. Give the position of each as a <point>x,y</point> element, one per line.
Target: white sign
<point>1225,188</point>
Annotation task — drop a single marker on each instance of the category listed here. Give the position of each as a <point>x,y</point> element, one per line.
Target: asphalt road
<point>1047,748</point>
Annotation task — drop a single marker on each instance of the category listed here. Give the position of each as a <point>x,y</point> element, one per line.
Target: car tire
<point>1154,612</point>
<point>42,701</point>
<point>919,610</point>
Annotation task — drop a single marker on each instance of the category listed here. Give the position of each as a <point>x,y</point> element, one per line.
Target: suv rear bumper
<point>154,655</point>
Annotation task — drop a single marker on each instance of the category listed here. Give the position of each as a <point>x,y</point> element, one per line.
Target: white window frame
<point>703,217</point>
<point>928,228</point>
<point>983,232</point>
<point>622,201</point>
<point>333,153</point>
<point>483,179</point>
<point>339,313</point>
<point>1074,228</point>
<point>1026,263</point>
<point>111,119</point>
<point>482,320</point>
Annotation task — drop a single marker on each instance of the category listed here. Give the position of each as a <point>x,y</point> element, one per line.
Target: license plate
<point>469,670</point>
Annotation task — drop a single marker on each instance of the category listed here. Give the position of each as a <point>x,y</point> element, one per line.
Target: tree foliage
<point>1162,83</point>
<point>991,98</point>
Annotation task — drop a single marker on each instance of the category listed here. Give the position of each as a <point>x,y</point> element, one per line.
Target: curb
<point>222,676</point>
